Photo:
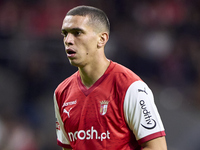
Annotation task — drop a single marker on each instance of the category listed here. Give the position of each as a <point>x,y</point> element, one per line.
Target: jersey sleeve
<point>141,114</point>
<point>62,139</point>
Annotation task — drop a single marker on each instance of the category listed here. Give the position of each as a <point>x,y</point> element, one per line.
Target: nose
<point>69,39</point>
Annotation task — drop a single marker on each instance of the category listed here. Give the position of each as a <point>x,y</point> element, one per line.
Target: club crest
<point>103,107</point>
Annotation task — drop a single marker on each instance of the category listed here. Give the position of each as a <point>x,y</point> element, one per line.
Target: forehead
<point>70,22</point>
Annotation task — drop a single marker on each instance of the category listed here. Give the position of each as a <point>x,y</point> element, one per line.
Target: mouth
<point>70,52</point>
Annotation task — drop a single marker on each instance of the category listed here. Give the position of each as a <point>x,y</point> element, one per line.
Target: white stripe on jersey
<point>140,111</point>
<point>61,134</point>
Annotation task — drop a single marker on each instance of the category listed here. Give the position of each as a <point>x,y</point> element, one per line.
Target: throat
<point>89,76</point>
<point>88,88</point>
<point>87,82</point>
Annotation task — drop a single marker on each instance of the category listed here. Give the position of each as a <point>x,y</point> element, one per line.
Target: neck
<point>91,73</point>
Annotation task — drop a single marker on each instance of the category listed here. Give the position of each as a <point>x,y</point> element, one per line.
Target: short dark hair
<point>96,16</point>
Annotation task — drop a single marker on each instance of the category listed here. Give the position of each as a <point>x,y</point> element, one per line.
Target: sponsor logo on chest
<point>67,111</point>
<point>88,135</point>
<point>69,103</point>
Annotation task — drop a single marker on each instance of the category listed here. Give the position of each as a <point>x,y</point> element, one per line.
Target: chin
<point>73,63</point>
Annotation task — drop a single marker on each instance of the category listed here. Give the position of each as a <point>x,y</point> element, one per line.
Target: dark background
<point>157,39</point>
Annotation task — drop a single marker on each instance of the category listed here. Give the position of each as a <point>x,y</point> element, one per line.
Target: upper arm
<point>60,130</point>
<point>141,113</point>
<point>155,144</point>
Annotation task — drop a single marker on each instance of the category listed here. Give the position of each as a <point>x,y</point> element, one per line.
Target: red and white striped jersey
<point>116,113</point>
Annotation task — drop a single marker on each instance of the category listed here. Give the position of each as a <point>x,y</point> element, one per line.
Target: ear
<point>103,38</point>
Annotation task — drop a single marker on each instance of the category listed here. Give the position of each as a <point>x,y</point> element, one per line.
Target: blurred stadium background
<point>159,40</point>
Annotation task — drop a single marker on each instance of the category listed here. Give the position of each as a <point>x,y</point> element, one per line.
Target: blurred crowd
<point>158,40</point>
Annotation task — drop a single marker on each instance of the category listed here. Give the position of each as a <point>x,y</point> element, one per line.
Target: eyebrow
<point>71,30</point>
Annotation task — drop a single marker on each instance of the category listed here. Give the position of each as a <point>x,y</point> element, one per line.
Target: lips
<point>70,52</point>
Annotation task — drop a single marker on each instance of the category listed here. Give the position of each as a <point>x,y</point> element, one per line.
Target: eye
<point>77,33</point>
<point>64,33</point>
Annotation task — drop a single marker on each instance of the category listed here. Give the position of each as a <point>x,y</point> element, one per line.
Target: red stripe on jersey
<point>152,136</point>
<point>63,145</point>
<point>88,91</point>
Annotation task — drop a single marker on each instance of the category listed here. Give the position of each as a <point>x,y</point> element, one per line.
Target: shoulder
<point>121,77</point>
<point>139,87</point>
<point>65,84</point>
<point>123,74</point>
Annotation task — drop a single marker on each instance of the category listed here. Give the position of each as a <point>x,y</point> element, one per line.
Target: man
<point>103,105</point>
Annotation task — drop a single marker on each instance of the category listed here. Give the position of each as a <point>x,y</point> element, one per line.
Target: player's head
<point>97,18</point>
<point>86,31</point>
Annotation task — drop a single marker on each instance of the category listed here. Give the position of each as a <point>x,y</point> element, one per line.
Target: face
<point>80,40</point>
